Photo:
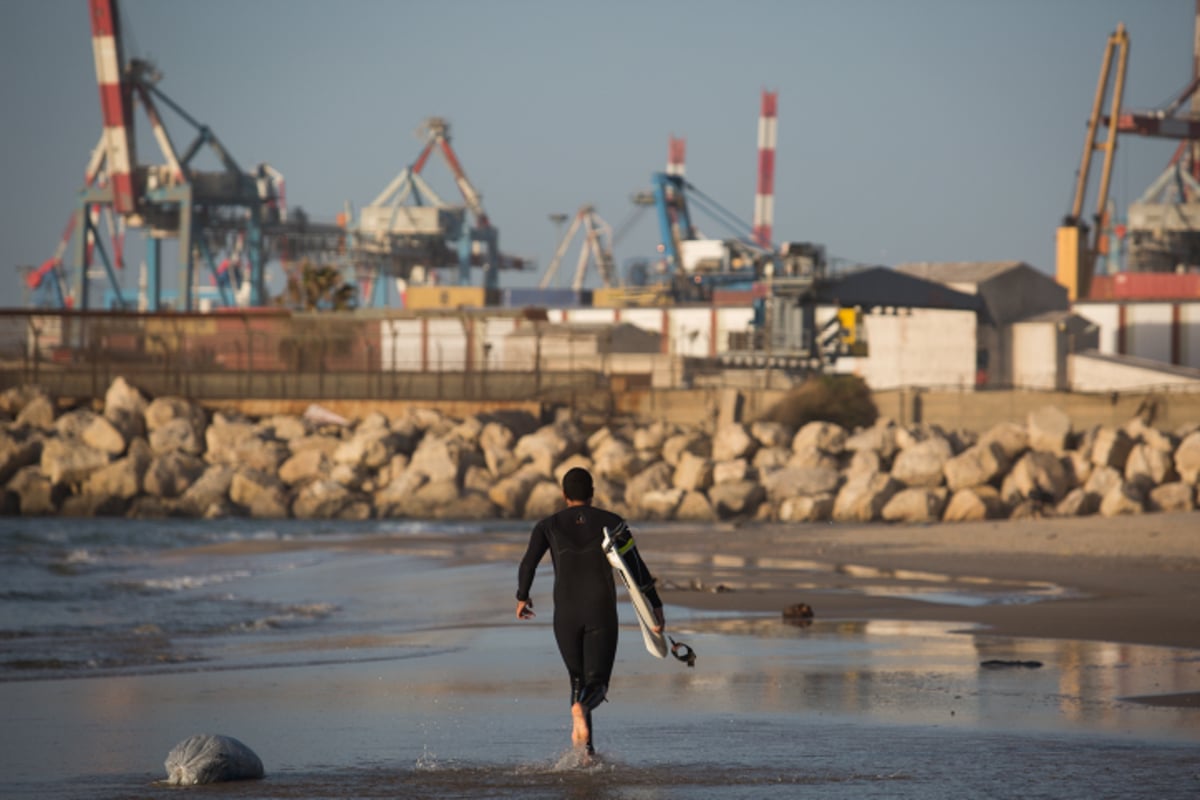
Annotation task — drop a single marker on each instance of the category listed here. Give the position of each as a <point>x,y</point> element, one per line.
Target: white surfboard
<point>656,643</point>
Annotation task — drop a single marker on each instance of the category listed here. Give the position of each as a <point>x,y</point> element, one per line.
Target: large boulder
<point>799,481</point>
<point>125,407</point>
<point>177,434</point>
<point>922,464</point>
<point>1187,459</point>
<point>733,441</point>
<point>806,508</point>
<point>321,499</point>
<point>862,497</point>
<point>509,494</point>
<point>68,461</point>
<point>1126,498</point>
<point>827,437</point>
<point>1148,466</point>
<point>1013,439</point>
<point>975,466</point>
<point>241,445</point>
<point>260,493</point>
<point>694,507</point>
<point>922,504</point>
<point>18,450</point>
<point>170,474</point>
<point>1110,448</point>
<point>1038,475</point>
<point>545,498</point>
<point>1174,496</point>
<point>736,499</point>
<point>973,504</point>
<point>693,473</point>
<point>36,494</point>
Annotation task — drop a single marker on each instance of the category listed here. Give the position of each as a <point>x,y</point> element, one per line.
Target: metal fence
<point>262,355</point>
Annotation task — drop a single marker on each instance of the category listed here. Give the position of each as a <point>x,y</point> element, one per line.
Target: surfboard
<point>656,643</point>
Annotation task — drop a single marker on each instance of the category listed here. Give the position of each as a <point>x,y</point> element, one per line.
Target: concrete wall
<point>927,347</point>
<point>1035,356</point>
<point>1165,331</point>
<point>1097,373</point>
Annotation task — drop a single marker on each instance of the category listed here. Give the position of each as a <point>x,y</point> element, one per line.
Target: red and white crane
<point>764,199</point>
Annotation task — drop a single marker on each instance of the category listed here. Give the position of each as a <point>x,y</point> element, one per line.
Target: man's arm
<point>538,545</point>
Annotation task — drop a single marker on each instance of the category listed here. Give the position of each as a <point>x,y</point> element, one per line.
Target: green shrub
<point>844,399</point>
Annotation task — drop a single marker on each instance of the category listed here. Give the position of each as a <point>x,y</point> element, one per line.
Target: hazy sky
<point>909,130</point>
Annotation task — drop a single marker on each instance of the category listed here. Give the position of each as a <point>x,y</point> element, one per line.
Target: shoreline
<point>1131,580</point>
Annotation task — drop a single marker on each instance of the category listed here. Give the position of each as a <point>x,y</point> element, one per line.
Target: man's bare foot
<point>579,729</point>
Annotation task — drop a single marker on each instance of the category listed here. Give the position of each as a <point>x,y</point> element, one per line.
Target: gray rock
<point>36,494</point>
<point>1123,499</point>
<point>1037,475</point>
<point>67,461</point>
<point>862,497</point>
<point>1110,448</point>
<point>304,466</point>
<point>693,473</point>
<point>1187,459</point>
<point>922,504</point>
<point>694,507</point>
<point>827,437</point>
<point>171,474</point>
<point>772,434</point>
<point>1148,466</point>
<point>922,464</point>
<point>692,442</point>
<point>320,499</point>
<point>806,508</point>
<point>731,471</point>
<point>1013,439</point>
<point>731,442</point>
<point>1174,496</point>
<point>260,493</point>
<point>799,481</point>
<point>177,435</point>
<point>510,494</point>
<point>975,466</point>
<point>973,504</point>
<point>545,499</point>
<point>736,499</point>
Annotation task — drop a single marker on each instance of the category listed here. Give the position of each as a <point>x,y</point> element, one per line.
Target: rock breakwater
<point>167,456</point>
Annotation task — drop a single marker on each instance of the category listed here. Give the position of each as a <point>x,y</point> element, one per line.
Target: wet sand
<point>1125,580</point>
<point>427,686</point>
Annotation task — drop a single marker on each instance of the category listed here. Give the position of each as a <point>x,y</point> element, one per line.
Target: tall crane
<point>596,249</point>
<point>409,219</point>
<point>1075,257</point>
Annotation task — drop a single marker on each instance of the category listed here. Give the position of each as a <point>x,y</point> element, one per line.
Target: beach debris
<point>211,758</point>
<point>1002,663</point>
<point>798,614</point>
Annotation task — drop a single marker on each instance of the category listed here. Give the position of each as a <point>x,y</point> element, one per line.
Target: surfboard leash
<point>688,656</point>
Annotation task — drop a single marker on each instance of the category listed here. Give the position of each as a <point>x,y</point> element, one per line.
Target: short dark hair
<point>577,484</point>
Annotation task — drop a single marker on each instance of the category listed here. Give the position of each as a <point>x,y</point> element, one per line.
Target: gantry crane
<point>596,249</point>
<point>410,220</point>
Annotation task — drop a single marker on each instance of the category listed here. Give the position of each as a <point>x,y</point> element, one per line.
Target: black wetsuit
<point>585,598</point>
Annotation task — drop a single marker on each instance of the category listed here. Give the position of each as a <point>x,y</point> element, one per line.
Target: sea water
<point>383,660</point>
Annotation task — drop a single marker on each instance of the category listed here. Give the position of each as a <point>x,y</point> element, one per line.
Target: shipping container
<point>1146,286</point>
<point>545,298</point>
<point>627,297</point>
<point>424,298</point>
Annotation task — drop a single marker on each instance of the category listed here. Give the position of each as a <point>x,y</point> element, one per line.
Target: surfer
<point>585,595</point>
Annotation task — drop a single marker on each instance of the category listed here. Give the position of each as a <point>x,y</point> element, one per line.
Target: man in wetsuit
<point>585,595</point>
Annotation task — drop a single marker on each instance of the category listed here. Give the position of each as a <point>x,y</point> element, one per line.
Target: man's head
<point>577,485</point>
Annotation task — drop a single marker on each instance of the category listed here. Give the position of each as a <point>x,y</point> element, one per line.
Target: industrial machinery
<point>414,231</point>
<point>1161,230</point>
<point>229,211</point>
<point>231,220</point>
<point>1075,257</point>
<point>595,250</point>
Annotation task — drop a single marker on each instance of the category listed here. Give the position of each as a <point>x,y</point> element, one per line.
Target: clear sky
<point>909,130</point>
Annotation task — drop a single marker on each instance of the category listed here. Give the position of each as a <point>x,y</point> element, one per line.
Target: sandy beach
<point>383,660</point>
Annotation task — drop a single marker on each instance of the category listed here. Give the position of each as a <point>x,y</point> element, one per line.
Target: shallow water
<point>385,673</point>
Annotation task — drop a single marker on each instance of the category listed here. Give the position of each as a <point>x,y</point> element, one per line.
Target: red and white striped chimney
<point>115,103</point>
<point>764,200</point>
<point>677,155</point>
